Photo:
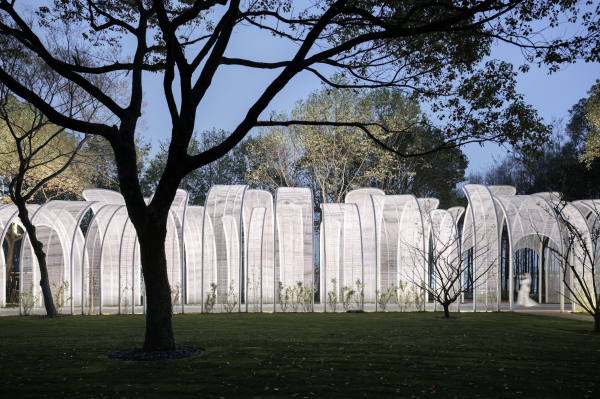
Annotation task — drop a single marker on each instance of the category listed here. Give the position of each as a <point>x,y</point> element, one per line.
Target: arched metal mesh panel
<point>341,255</point>
<point>119,282</point>
<point>457,212</point>
<point>193,254</point>
<point>481,233</point>
<point>590,209</point>
<point>222,260</point>
<point>399,228</point>
<point>259,242</point>
<point>294,246</point>
<point>362,198</point>
<point>578,223</point>
<point>102,250</point>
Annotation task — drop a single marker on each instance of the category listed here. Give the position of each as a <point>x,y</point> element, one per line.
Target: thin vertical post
<point>376,254</point>
<point>202,266</point>
<point>312,255</point>
<point>324,254</point>
<point>241,256</point>
<point>362,258</point>
<point>183,261</point>
<point>275,252</point>
<point>135,245</point>
<point>262,239</point>
<point>21,276</point>
<point>511,275</point>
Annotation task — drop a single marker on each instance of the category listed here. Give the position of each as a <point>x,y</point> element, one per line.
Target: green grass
<point>305,355</point>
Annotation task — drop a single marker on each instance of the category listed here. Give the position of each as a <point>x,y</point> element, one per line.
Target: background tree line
<point>331,160</point>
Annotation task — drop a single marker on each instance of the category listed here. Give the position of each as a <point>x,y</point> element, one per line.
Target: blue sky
<point>235,88</point>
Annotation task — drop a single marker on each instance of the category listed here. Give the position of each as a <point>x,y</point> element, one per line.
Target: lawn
<point>305,355</point>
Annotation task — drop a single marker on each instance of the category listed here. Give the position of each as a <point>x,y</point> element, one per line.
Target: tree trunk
<point>446,310</point>
<point>597,322</point>
<point>159,328</point>
<point>12,237</point>
<point>38,249</point>
<point>11,240</point>
<point>150,222</point>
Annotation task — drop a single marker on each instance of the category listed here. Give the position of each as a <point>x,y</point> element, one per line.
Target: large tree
<point>35,153</point>
<point>435,50</point>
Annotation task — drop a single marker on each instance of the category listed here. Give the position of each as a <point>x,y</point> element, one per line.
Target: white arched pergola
<point>254,242</point>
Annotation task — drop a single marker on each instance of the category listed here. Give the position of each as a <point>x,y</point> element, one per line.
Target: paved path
<point>557,313</point>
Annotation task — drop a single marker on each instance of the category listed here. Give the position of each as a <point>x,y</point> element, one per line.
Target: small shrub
<point>346,295</point>
<point>332,296</point>
<point>404,299</point>
<point>491,300</point>
<point>359,294</point>
<point>175,296</point>
<point>231,300</point>
<point>306,297</point>
<point>295,293</point>
<point>125,297</point>
<point>254,287</point>
<point>211,298</point>
<point>384,299</point>
<point>418,297</point>
<point>59,292</point>
<point>283,296</point>
<point>28,300</point>
<point>93,290</point>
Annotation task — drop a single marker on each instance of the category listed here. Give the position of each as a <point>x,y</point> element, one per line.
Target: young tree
<point>433,50</point>
<point>445,258</point>
<point>37,154</point>
<point>579,260</point>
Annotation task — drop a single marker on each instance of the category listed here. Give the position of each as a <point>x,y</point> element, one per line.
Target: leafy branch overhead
<point>433,50</point>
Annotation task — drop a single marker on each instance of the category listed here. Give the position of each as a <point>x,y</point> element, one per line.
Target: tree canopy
<point>567,163</point>
<point>45,148</point>
<point>334,159</point>
<point>590,120</point>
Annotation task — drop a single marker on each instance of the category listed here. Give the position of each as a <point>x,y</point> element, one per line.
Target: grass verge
<point>305,355</point>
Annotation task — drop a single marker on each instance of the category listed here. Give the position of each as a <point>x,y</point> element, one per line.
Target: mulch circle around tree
<point>143,355</point>
<point>49,317</point>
